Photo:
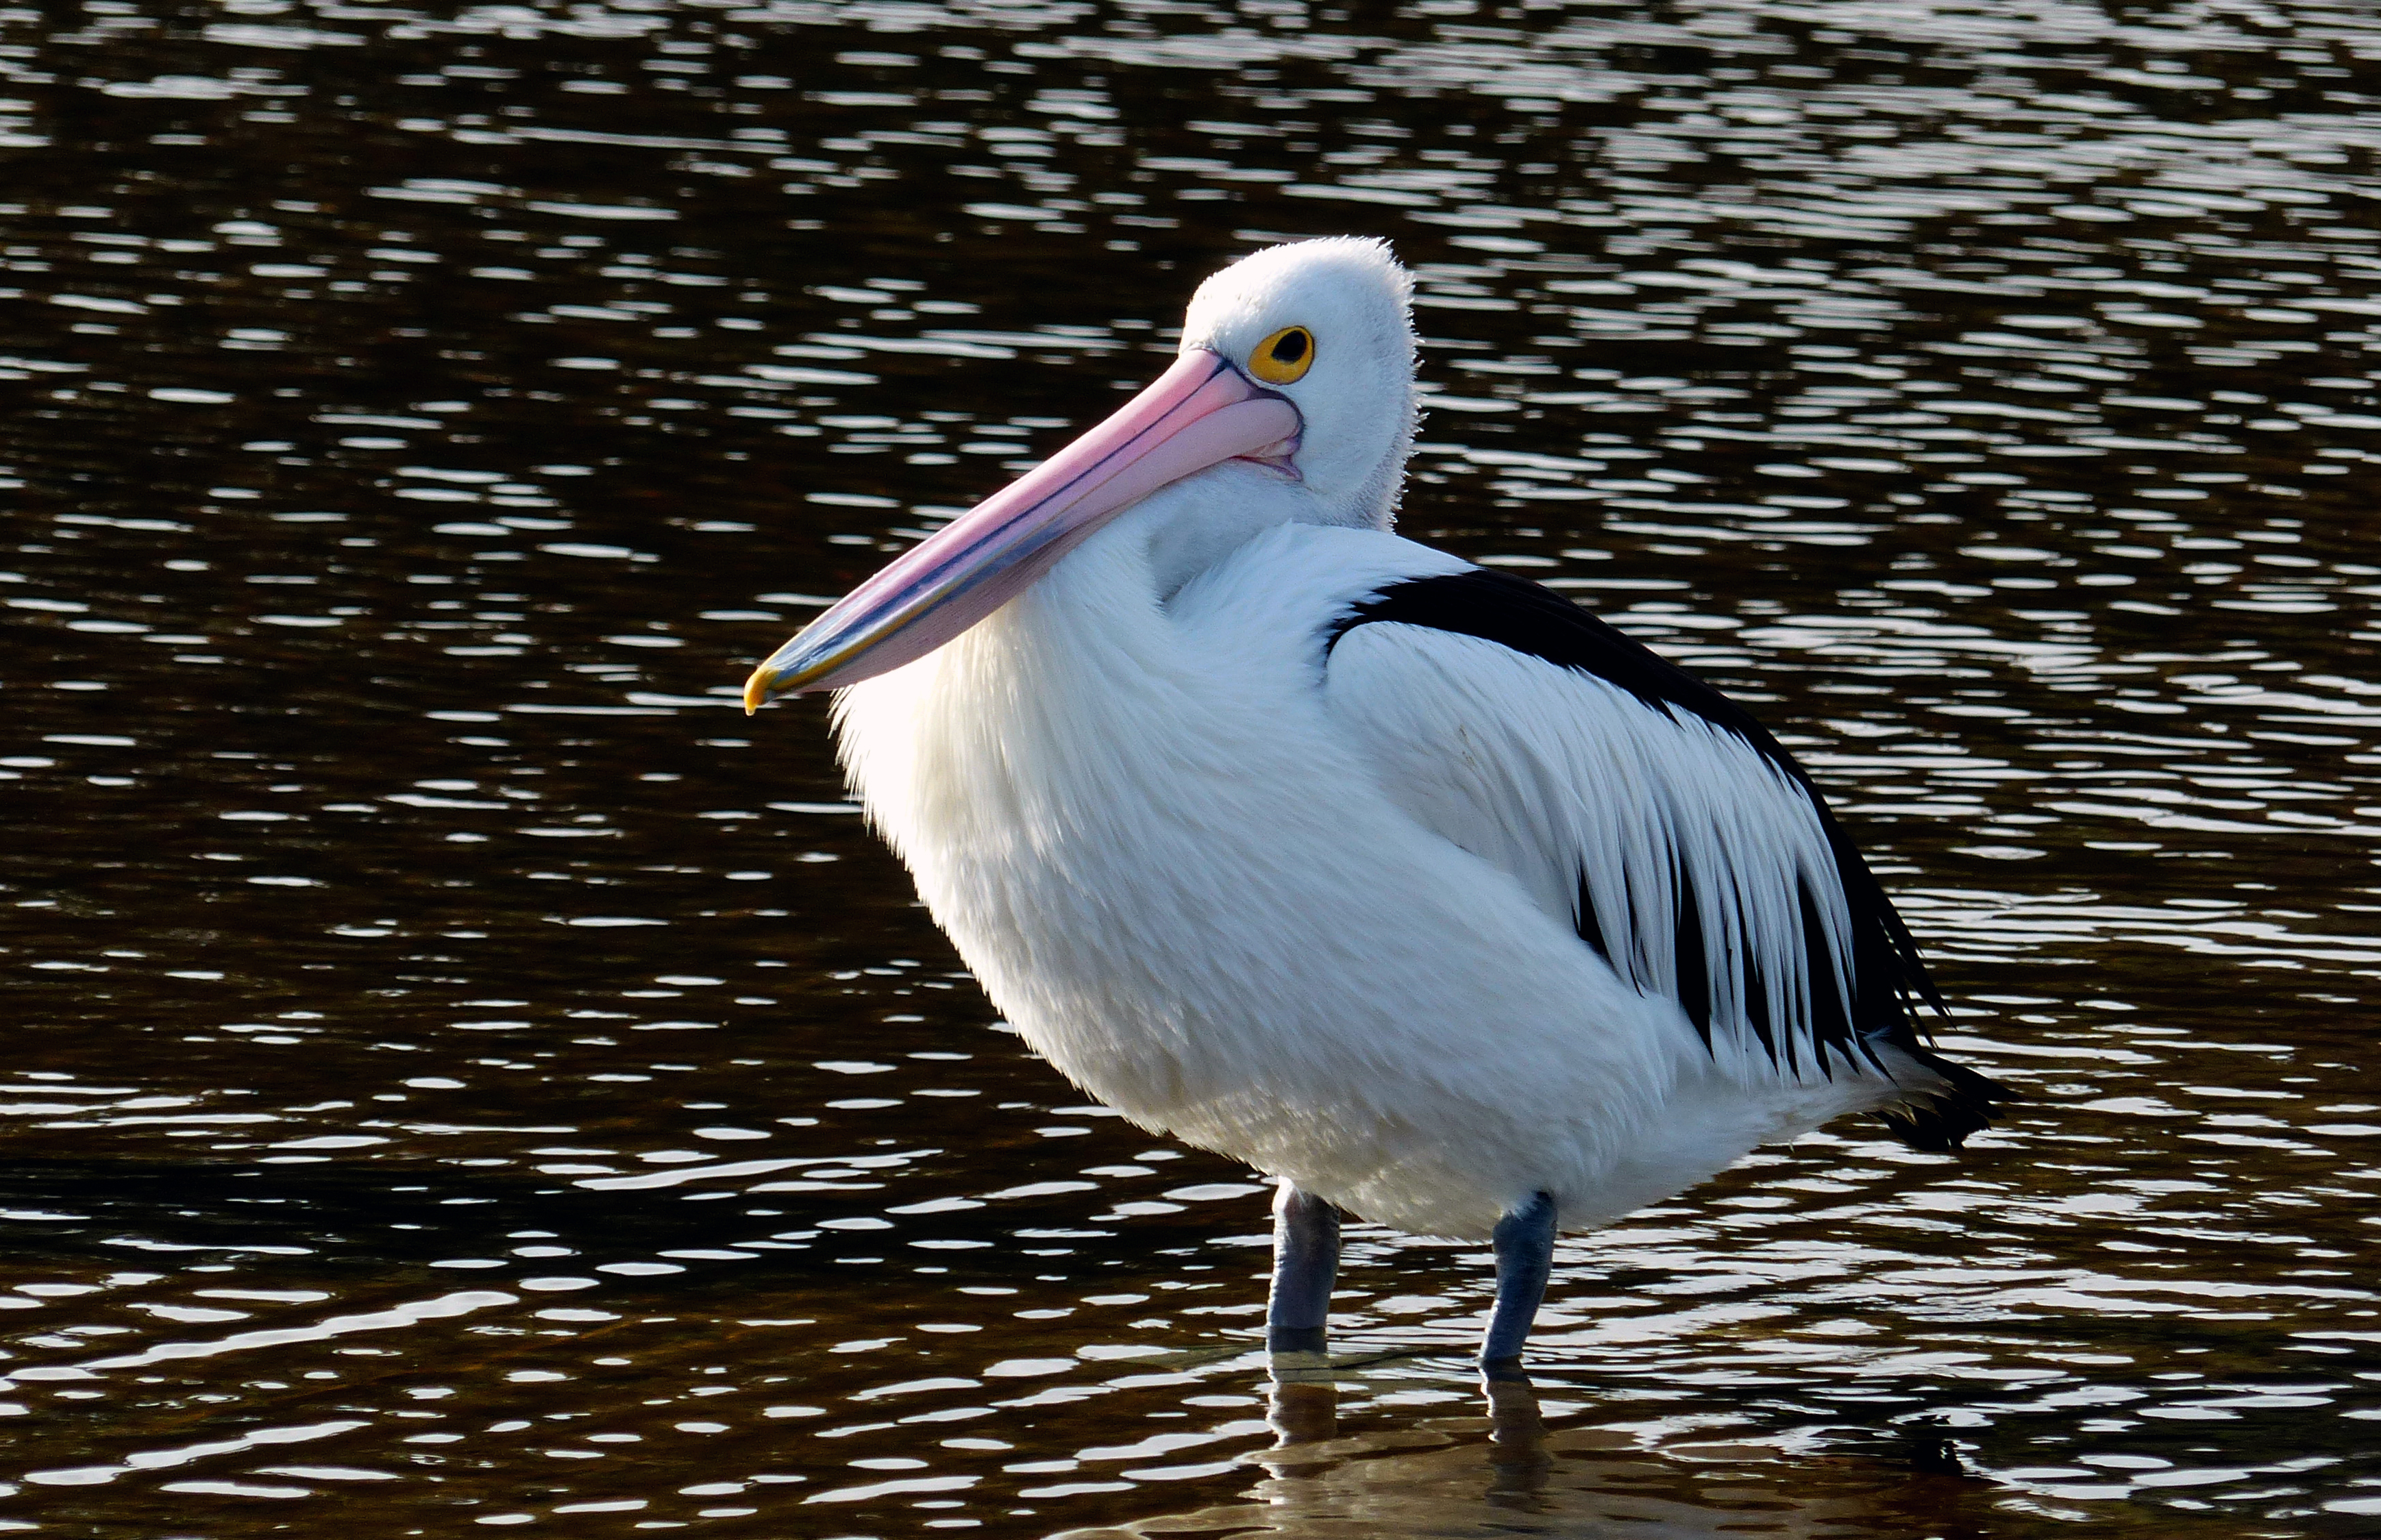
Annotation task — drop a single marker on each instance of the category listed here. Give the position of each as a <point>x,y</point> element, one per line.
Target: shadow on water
<point>464,1074</point>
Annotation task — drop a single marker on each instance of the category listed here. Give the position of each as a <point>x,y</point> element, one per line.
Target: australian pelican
<point>1404,880</point>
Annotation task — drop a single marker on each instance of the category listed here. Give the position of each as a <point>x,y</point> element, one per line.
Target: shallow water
<point>421,418</point>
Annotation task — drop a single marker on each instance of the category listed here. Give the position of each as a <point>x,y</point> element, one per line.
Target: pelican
<point>1405,881</point>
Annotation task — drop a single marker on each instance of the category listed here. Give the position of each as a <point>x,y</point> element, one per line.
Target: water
<point>463,1072</point>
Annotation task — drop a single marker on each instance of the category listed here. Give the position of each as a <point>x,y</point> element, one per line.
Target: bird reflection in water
<point>1302,1405</point>
<point>1517,1440</point>
<point>1440,1477</point>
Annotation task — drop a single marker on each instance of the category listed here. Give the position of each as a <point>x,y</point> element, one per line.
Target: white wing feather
<point>1656,823</point>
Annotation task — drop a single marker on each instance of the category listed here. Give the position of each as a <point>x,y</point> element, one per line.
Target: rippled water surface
<point>463,1072</point>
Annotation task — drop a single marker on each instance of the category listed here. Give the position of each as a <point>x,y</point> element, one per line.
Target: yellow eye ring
<point>1285,357</point>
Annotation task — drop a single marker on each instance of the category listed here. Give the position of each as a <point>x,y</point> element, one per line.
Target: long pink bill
<point>1200,412</point>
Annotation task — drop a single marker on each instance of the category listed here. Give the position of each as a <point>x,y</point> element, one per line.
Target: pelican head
<point>1290,400</point>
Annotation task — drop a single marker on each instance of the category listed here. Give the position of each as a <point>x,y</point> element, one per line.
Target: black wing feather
<point>1886,973</point>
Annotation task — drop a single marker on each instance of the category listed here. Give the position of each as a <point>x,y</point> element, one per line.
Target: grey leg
<point>1305,1261</point>
<point>1525,1254</point>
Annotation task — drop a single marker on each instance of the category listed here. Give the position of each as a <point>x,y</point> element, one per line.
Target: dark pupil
<point>1289,348</point>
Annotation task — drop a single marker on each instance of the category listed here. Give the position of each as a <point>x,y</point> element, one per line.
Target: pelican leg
<point>1525,1254</point>
<point>1305,1262</point>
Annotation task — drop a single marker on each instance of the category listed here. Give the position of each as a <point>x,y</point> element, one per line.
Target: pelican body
<point>1406,882</point>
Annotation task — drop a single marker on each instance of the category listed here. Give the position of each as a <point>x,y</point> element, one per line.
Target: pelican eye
<point>1283,358</point>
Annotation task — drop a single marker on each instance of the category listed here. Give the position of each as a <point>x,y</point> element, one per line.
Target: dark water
<point>419,418</point>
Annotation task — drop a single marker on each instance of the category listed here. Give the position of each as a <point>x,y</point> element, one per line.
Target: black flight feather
<point>1886,975</point>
